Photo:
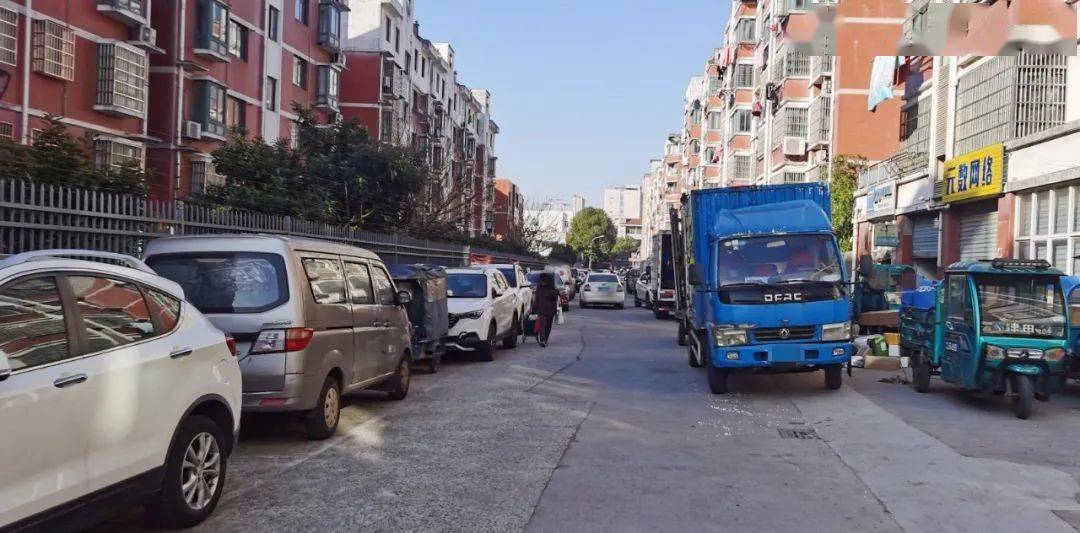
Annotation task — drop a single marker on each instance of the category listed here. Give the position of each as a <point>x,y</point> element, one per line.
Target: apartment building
<point>508,208</point>
<point>405,90</point>
<point>552,218</point>
<point>986,165</point>
<point>662,188</point>
<point>623,206</point>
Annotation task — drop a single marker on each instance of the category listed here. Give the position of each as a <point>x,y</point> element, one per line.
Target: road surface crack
<point>547,482</point>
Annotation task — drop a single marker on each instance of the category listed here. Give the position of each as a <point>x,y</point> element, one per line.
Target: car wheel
<point>194,475</point>
<point>834,376</point>
<point>322,420</point>
<point>397,388</point>
<point>486,351</point>
<point>637,302</point>
<point>620,306</point>
<point>510,342</point>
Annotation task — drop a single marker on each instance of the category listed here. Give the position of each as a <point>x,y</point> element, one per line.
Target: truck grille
<point>794,333</point>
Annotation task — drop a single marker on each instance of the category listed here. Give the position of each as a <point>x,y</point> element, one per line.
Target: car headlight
<point>840,331</point>
<point>994,352</point>
<point>727,336</point>
<point>471,315</point>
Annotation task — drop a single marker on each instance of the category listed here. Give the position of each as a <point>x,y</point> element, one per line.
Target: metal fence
<point>35,216</point>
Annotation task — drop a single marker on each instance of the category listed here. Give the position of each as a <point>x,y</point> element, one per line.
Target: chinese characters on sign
<point>975,174</point>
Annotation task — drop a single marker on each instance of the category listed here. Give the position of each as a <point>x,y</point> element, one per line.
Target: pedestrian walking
<point>545,304</point>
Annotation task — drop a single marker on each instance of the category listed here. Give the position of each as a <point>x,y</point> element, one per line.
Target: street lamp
<point>591,255</point>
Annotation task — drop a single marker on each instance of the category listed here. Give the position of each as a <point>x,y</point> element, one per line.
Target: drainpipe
<point>27,43</point>
<point>178,93</point>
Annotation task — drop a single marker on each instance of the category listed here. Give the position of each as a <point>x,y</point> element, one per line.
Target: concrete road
<point>608,429</point>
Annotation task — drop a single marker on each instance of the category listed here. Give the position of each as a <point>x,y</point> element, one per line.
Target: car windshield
<point>227,283</point>
<point>603,278</point>
<point>1021,306</point>
<point>777,259</point>
<point>511,276</point>
<point>466,285</point>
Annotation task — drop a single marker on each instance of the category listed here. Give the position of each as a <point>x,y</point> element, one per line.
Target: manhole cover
<point>797,433</point>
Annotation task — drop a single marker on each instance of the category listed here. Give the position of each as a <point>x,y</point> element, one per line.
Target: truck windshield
<point>768,260</point>
<point>1021,306</point>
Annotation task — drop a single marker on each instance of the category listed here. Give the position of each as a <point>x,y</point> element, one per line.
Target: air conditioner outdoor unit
<point>338,59</point>
<point>148,35</point>
<point>192,130</point>
<point>794,146</point>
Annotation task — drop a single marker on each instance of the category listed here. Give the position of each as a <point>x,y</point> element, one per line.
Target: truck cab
<point>767,290</point>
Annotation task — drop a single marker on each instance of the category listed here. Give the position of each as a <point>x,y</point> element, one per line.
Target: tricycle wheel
<point>433,364</point>
<point>920,375</point>
<point>1024,395</point>
<point>682,333</point>
<point>834,376</point>
<point>718,379</point>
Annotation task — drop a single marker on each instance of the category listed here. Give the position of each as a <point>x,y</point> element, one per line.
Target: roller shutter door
<point>924,237</point>
<point>978,235</point>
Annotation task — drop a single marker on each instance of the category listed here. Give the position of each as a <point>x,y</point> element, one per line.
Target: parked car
<point>602,289</point>
<point>483,311</point>
<point>113,390</point>
<point>564,291</point>
<point>312,319</point>
<point>427,311</point>
<point>562,272</point>
<point>519,285</point>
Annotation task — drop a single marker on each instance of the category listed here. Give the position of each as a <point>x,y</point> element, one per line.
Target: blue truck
<point>762,285</point>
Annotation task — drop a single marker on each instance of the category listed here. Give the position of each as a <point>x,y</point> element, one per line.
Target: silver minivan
<point>312,319</point>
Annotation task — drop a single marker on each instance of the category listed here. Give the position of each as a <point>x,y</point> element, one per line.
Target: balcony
<point>820,68</point>
<point>820,121</point>
<point>900,165</point>
<point>130,12</point>
<point>817,173</point>
<point>330,24</point>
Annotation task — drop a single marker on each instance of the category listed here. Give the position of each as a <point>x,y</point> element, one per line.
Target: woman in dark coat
<point>545,304</point>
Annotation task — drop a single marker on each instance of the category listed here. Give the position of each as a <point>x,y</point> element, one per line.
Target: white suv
<point>119,389</point>
<point>483,310</point>
<point>519,285</point>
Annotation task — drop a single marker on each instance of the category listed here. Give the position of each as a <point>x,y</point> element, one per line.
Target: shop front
<point>972,223</point>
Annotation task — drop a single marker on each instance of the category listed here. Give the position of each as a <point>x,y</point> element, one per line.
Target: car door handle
<point>69,380</point>
<point>180,353</point>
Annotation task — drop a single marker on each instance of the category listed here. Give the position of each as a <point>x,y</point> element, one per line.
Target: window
<point>271,94</point>
<point>203,175</point>
<point>299,72</point>
<point>238,40</point>
<point>389,28</point>
<point>741,121</point>
<point>1048,227</point>
<point>235,115</point>
<point>742,167</point>
<point>957,304</point>
<point>794,177</point>
<point>54,50</point>
<point>744,30</point>
<point>272,23</point>
<point>301,11</point>
<point>744,76</point>
<point>7,131</point>
<point>34,331</point>
<point>327,280</point>
<point>359,284</point>
<point>716,120</point>
<point>122,71</point>
<point>212,32</point>
<point>397,40</point>
<point>327,93</point>
<point>795,124</point>
<point>114,153</point>
<point>227,282</point>
<point>384,289</point>
<point>329,26</point>
<point>9,36</point>
<point>209,106</point>
<point>164,308</point>
<point>114,312</point>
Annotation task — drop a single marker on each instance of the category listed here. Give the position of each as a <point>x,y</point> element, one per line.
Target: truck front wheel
<point>718,379</point>
<point>834,376</point>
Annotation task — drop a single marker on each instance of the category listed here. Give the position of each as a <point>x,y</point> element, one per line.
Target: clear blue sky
<point>584,91</point>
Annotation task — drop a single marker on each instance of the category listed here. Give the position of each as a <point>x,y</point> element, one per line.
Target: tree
<point>591,233</point>
<point>563,252</point>
<point>625,247</point>
<point>845,179</point>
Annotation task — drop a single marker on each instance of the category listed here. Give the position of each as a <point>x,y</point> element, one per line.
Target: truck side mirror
<point>695,274</point>
<point>866,266</point>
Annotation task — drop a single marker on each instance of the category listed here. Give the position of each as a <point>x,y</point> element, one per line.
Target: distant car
<point>519,285</point>
<point>564,292</point>
<point>602,289</point>
<point>111,384</point>
<point>563,273</point>
<point>483,311</point>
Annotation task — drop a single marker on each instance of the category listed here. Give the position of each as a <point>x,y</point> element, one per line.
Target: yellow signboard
<point>975,174</point>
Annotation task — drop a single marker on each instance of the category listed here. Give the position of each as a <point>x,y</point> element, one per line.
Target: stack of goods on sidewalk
<point>879,352</point>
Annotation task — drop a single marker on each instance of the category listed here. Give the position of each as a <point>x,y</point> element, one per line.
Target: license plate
<point>605,289</point>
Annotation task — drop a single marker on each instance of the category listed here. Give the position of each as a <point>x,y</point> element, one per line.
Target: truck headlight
<point>726,336</point>
<point>1054,355</point>
<point>840,331</point>
<point>995,352</point>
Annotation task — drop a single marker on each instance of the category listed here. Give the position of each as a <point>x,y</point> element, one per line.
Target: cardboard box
<point>892,339</point>
<point>874,362</point>
<point>894,350</point>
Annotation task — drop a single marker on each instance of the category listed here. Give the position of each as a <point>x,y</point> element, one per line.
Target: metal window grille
<point>796,64</point>
<point>794,177</point>
<point>54,49</point>
<point>122,78</point>
<point>203,175</point>
<point>744,76</point>
<point>9,36</point>
<point>820,118</point>
<point>7,131</point>
<point>744,30</point>
<point>1040,93</point>
<point>915,128</point>
<point>741,163</point>
<point>114,154</point>
<point>796,122</point>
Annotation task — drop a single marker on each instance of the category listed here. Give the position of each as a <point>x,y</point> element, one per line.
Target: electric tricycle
<point>994,326</point>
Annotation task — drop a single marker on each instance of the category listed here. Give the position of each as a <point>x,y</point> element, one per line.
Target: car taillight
<point>282,340</point>
<point>587,288</point>
<point>230,341</point>
<point>667,294</point>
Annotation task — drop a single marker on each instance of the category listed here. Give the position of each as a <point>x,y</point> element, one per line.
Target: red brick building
<point>508,208</point>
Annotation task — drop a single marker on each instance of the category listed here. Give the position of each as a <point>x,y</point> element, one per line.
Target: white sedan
<point>602,289</point>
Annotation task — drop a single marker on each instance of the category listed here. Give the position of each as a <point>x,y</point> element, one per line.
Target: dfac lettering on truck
<point>762,283</point>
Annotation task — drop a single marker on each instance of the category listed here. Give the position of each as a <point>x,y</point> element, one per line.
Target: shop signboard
<point>881,200</point>
<point>886,234</point>
<point>975,175</point>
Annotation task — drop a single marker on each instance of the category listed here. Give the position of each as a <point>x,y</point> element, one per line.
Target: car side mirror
<point>695,274</point>
<point>404,297</point>
<point>5,367</point>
